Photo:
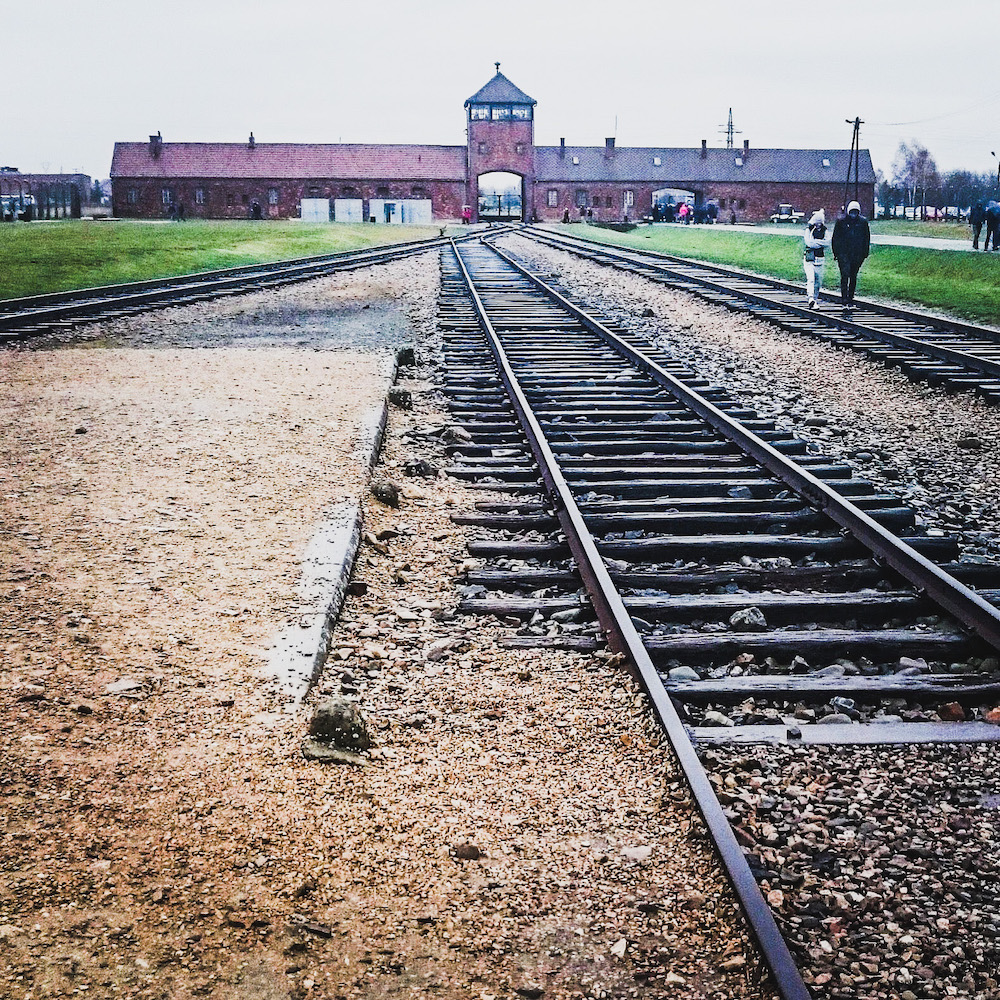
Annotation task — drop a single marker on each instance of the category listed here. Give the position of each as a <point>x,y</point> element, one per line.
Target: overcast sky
<point>649,72</point>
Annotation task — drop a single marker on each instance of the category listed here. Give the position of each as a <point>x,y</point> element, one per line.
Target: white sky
<point>649,72</point>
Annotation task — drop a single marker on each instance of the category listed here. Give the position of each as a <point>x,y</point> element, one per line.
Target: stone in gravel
<point>618,948</point>
<point>834,719</point>
<point>683,674</point>
<point>386,492</point>
<point>741,493</point>
<point>420,467</point>
<point>993,716</point>
<point>912,663</point>
<point>637,853</point>
<point>569,615</point>
<point>714,718</point>
<point>339,723</point>
<point>816,421</point>
<point>748,620</point>
<point>401,398</point>
<point>969,443</point>
<point>124,685</point>
<point>456,434</point>
<point>466,852</point>
<point>952,712</point>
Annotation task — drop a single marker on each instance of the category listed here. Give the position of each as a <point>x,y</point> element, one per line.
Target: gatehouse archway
<point>500,197</point>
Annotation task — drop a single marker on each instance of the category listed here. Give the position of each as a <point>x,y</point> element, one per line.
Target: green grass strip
<point>963,285</point>
<point>40,257</point>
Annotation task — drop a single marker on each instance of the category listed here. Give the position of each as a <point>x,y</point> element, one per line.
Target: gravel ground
<point>879,862</point>
<point>516,830</point>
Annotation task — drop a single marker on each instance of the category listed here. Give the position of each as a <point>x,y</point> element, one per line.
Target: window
<point>132,196</point>
<point>349,192</point>
<point>826,162</point>
<point>739,161</point>
<point>245,199</point>
<point>519,148</point>
<point>500,113</point>
<point>608,202</point>
<point>628,199</point>
<point>552,198</point>
<point>382,192</point>
<point>168,196</point>
<point>576,161</point>
<point>722,203</point>
<point>743,203</point>
<point>521,111</point>
<point>272,196</point>
<point>229,199</point>
<point>199,196</point>
<point>418,192</point>
<point>314,192</point>
<point>581,199</point>
<point>482,147</point>
<point>479,112</point>
<point>657,161</point>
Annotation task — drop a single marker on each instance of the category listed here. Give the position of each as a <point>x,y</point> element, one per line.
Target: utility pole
<point>730,131</point>
<point>853,161</point>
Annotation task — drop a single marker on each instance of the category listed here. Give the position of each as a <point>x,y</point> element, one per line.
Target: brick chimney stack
<point>609,146</point>
<point>155,145</point>
<point>746,149</point>
<point>704,149</point>
<point>562,149</point>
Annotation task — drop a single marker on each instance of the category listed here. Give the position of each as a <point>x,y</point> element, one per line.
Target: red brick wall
<point>759,200</point>
<point>232,198</point>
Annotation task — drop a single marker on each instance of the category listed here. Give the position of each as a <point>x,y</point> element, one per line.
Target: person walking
<point>977,216</point>
<point>814,259</point>
<point>851,244</point>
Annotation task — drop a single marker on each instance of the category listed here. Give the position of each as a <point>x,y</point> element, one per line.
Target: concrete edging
<point>300,652</point>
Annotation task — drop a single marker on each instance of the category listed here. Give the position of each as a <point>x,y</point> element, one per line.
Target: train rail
<point>957,356</point>
<point>33,316</point>
<point>718,558</point>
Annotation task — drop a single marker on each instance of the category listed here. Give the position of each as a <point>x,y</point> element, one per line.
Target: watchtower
<point>501,136</point>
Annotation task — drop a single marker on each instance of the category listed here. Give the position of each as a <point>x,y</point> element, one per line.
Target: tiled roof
<point>687,165</point>
<point>348,161</point>
<point>500,91</point>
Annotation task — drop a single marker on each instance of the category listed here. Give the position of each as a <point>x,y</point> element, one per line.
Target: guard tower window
<point>500,112</point>
<point>479,112</point>
<point>199,196</point>
<point>553,198</point>
<point>521,111</point>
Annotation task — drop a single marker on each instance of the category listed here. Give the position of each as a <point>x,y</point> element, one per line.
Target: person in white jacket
<point>814,258</point>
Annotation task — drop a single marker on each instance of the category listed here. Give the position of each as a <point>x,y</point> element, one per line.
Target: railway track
<point>722,561</point>
<point>34,316</point>
<point>956,356</point>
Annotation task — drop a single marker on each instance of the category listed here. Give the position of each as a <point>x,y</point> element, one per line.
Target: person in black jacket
<point>851,245</point>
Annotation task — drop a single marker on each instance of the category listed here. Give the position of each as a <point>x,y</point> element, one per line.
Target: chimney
<point>704,149</point>
<point>562,148</point>
<point>251,142</point>
<point>155,145</point>
<point>609,146</point>
<point>746,149</point>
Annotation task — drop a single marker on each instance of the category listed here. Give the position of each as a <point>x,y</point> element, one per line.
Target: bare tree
<point>914,170</point>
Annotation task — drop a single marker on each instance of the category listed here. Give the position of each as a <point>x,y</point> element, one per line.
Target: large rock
<point>338,732</point>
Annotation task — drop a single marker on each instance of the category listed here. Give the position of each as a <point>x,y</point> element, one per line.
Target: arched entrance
<point>500,197</point>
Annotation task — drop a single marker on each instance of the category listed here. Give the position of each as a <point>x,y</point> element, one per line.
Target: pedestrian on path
<point>814,258</point>
<point>851,245</point>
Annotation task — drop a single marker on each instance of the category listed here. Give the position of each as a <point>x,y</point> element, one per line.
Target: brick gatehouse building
<point>410,183</point>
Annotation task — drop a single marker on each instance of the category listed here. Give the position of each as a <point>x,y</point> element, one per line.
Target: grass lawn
<point>43,257</point>
<point>907,227</point>
<point>964,285</point>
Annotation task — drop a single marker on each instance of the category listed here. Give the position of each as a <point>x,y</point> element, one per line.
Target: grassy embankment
<point>964,285</point>
<point>55,256</point>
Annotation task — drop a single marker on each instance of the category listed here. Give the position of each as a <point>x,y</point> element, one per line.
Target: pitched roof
<point>499,91</point>
<point>687,166</point>
<point>348,161</point>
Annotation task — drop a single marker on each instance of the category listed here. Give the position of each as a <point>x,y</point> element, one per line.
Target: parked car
<point>786,213</point>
